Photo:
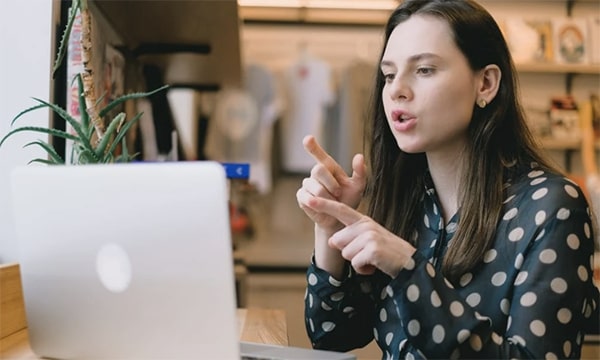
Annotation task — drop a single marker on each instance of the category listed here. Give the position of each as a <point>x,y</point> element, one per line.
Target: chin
<point>409,148</point>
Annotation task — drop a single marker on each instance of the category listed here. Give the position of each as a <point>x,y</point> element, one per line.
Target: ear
<point>489,82</point>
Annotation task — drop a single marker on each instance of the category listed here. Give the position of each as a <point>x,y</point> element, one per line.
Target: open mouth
<point>400,116</point>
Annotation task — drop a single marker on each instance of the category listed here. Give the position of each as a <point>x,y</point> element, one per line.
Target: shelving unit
<point>590,69</point>
<point>569,71</point>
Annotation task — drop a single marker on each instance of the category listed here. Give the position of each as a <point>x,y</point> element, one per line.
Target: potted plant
<point>95,136</point>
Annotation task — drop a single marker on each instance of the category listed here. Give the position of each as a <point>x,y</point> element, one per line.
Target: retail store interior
<point>232,99</point>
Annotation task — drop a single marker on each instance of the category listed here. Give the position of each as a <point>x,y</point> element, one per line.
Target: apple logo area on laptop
<point>130,261</point>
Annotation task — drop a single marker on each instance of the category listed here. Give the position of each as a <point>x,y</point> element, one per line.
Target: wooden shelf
<point>593,69</point>
<point>549,143</point>
<point>560,144</point>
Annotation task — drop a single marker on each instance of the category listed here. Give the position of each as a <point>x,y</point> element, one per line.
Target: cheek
<point>453,101</point>
<point>386,102</point>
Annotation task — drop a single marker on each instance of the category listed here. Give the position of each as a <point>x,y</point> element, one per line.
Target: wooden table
<point>259,325</point>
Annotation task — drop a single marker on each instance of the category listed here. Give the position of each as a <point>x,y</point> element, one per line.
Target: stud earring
<point>481,103</point>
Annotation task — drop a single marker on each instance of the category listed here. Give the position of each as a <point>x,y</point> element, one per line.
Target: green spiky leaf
<point>44,161</point>
<point>116,102</point>
<point>53,132</point>
<point>123,132</point>
<point>26,111</point>
<point>62,49</point>
<point>54,156</point>
<point>110,130</point>
<point>82,135</point>
<point>85,118</point>
<point>86,156</point>
<point>125,156</point>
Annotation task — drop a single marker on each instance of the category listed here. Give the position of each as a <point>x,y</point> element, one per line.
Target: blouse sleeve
<point>552,299</point>
<point>338,314</point>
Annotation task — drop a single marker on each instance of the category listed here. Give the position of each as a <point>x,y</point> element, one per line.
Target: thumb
<point>359,169</point>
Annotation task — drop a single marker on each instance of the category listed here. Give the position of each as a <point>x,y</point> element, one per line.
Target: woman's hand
<point>329,180</point>
<point>364,242</point>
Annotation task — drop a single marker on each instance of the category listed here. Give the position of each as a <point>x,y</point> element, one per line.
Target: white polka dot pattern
<point>505,307</point>
<point>457,309</point>
<point>412,293</point>
<point>438,334</point>
<point>435,299</point>
<point>466,279</point>
<point>516,234</point>
<point>539,194</point>
<point>414,327</point>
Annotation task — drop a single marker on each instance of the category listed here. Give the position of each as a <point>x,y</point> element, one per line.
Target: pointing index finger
<point>321,156</point>
<point>344,213</point>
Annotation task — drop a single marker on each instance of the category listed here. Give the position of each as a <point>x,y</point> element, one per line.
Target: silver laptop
<point>131,261</point>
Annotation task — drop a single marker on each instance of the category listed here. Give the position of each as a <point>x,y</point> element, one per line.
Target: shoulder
<point>542,189</point>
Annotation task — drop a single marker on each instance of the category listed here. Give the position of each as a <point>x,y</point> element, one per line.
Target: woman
<point>473,245</point>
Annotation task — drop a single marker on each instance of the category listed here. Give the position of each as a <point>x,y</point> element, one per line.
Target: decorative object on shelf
<point>594,43</point>
<point>564,118</point>
<point>571,40</point>
<point>529,40</point>
<point>96,137</point>
<point>539,121</point>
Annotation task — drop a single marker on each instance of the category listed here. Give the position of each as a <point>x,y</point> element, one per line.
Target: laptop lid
<point>127,260</point>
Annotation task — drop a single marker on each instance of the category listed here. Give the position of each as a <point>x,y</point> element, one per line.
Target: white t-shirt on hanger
<point>308,92</point>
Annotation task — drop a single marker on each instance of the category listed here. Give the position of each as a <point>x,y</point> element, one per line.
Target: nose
<point>399,89</point>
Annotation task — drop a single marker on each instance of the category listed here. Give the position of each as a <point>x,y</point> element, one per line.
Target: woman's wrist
<point>326,257</point>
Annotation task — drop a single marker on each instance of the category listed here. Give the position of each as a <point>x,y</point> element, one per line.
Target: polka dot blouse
<point>530,296</point>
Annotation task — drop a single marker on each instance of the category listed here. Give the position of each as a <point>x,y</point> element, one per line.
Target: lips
<point>401,116</point>
<point>403,121</point>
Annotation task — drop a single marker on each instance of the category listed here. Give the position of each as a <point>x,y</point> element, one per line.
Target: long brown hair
<point>498,137</point>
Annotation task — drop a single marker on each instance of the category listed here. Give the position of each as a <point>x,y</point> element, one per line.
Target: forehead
<point>421,34</point>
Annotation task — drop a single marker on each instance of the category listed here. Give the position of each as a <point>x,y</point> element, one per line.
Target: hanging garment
<point>308,93</point>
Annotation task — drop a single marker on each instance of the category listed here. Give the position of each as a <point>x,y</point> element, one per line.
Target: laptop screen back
<point>127,261</point>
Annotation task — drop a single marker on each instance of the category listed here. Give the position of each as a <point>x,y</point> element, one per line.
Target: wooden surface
<point>265,326</point>
<point>12,312</point>
<point>259,325</point>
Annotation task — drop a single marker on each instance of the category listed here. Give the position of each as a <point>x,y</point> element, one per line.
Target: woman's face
<point>430,90</point>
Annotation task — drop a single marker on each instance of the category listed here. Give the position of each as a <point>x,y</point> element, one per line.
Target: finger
<point>303,198</point>
<point>362,257</point>
<point>354,249</point>
<point>321,156</point>
<point>359,168</point>
<point>348,245</point>
<point>326,179</point>
<point>316,188</point>
<point>345,214</point>
<point>362,268</point>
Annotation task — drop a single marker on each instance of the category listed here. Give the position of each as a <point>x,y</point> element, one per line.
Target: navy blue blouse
<point>529,297</point>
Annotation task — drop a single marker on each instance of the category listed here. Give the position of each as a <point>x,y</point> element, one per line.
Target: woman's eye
<point>425,70</point>
<point>388,77</point>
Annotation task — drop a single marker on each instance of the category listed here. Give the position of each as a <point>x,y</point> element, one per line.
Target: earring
<point>481,103</point>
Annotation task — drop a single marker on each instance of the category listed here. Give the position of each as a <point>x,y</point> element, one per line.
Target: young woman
<point>473,245</point>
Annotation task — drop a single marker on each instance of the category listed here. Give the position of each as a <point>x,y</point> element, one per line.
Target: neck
<point>446,173</point>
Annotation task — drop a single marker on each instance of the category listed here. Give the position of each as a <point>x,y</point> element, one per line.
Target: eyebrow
<point>413,59</point>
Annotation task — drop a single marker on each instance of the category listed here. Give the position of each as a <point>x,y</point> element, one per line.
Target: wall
<point>277,47</point>
<point>25,39</point>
